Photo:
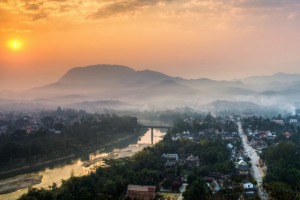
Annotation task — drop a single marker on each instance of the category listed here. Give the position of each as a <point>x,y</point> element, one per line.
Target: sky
<point>40,40</point>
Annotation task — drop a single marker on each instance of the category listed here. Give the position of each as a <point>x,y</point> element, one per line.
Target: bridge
<point>156,126</point>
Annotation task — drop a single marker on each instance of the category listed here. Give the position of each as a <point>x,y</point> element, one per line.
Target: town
<point>202,156</point>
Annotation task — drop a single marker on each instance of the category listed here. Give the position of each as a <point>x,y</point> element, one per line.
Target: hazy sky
<point>218,39</point>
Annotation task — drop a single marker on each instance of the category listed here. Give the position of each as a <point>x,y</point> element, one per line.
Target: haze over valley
<point>120,87</point>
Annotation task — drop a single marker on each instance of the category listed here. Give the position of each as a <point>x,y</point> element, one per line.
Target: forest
<point>283,175</point>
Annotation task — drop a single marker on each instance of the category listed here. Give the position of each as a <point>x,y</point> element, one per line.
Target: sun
<point>15,44</point>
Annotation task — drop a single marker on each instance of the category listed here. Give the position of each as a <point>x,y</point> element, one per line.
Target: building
<point>287,135</point>
<point>278,121</point>
<point>243,170</point>
<point>249,189</point>
<point>248,185</point>
<point>141,192</point>
<point>192,161</point>
<point>293,121</point>
<point>170,157</point>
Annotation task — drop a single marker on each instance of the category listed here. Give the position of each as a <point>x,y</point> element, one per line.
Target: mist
<point>99,88</point>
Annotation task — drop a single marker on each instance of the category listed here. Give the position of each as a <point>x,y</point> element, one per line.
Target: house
<point>170,163</point>
<point>170,157</point>
<point>263,134</point>
<point>141,192</point>
<point>249,189</point>
<point>248,185</point>
<point>293,121</point>
<point>243,170</point>
<point>271,136</point>
<point>192,161</point>
<point>250,133</point>
<point>229,146</point>
<point>277,121</point>
<point>241,162</point>
<point>214,186</point>
<point>287,135</point>
<point>249,193</point>
<point>258,144</point>
<point>239,155</point>
<point>215,175</point>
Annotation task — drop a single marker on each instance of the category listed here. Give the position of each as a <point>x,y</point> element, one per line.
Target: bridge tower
<point>152,135</point>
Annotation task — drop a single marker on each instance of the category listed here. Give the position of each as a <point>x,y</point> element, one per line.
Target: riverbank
<point>27,180</point>
<point>19,182</point>
<point>29,167</point>
<point>122,147</point>
<point>36,165</point>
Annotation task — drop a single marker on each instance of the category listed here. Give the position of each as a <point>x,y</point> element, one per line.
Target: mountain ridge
<point>100,82</point>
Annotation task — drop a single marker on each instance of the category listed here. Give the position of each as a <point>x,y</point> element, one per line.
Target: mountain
<point>111,75</point>
<point>117,81</point>
<point>168,89</point>
<point>278,77</point>
<point>92,86</point>
<point>103,79</point>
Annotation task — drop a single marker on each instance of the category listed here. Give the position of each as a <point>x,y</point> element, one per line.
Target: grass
<point>173,196</point>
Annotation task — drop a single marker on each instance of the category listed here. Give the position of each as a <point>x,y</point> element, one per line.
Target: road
<point>255,170</point>
<point>182,189</point>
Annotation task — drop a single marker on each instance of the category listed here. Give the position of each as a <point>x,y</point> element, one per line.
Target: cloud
<point>10,30</point>
<point>38,9</point>
<point>123,8</point>
<point>291,16</point>
<point>266,4</point>
<point>39,16</point>
<point>32,6</point>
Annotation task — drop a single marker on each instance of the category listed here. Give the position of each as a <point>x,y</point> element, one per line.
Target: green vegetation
<point>282,157</point>
<point>75,135</point>
<point>264,124</point>
<point>146,168</point>
<point>282,179</point>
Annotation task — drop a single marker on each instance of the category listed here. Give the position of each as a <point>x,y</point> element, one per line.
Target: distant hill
<point>102,79</point>
<point>236,107</point>
<point>169,89</point>
<point>278,77</point>
<point>91,86</point>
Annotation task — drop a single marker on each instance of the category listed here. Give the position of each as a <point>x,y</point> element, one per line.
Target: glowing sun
<point>15,44</point>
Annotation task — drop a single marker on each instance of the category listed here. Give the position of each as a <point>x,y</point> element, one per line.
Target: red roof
<point>139,191</point>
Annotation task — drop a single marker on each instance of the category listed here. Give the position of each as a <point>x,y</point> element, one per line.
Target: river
<point>79,167</point>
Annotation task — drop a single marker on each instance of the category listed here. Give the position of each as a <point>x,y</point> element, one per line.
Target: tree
<point>197,190</point>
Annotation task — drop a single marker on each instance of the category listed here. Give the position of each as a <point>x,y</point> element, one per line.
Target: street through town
<point>255,169</point>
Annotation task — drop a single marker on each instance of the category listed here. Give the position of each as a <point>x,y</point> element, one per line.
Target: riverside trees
<point>76,134</point>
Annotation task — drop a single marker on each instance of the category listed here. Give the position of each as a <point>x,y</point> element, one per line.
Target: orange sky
<point>218,39</point>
